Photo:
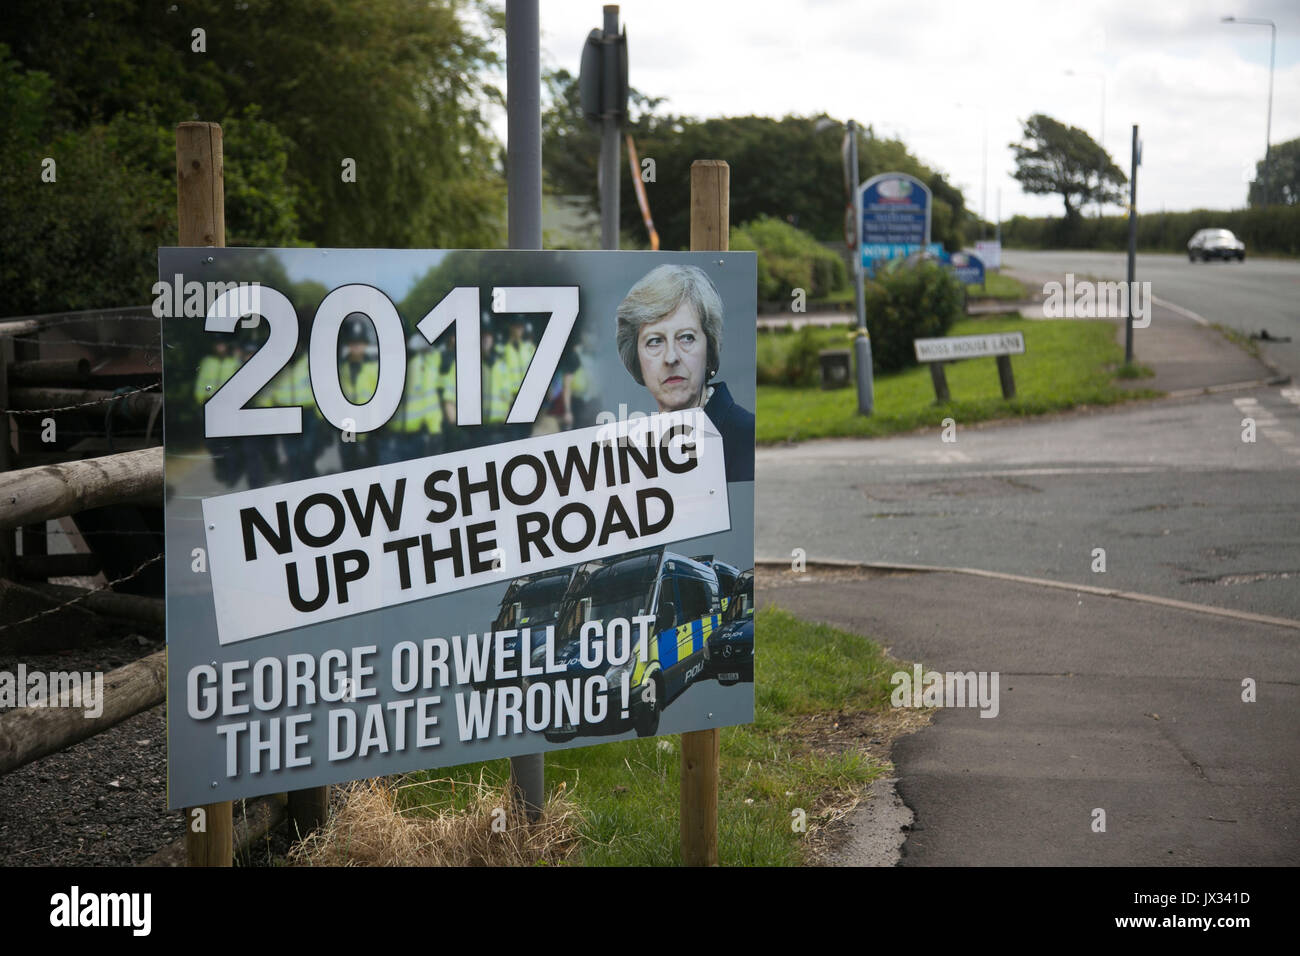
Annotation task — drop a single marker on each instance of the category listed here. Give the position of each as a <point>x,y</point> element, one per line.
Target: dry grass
<point>368,829</point>
<point>872,734</point>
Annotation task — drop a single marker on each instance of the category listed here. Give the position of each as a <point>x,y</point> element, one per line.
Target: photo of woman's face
<point>673,353</point>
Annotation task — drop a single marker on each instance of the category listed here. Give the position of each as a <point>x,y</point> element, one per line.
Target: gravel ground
<point>101,802</point>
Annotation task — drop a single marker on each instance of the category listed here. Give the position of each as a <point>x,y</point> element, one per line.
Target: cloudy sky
<point>939,74</point>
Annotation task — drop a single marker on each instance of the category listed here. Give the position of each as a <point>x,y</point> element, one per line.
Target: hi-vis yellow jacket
<point>214,372</point>
<point>498,391</point>
<point>361,389</point>
<point>421,405</point>
<point>292,385</point>
<point>516,359</point>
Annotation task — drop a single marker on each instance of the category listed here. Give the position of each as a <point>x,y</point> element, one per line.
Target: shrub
<point>790,359</point>
<point>906,303</point>
<point>789,259</point>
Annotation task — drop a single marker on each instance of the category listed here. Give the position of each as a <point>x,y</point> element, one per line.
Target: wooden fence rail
<point>29,733</point>
<point>54,491</point>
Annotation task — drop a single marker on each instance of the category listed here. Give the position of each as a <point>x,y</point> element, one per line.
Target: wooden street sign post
<point>710,225</point>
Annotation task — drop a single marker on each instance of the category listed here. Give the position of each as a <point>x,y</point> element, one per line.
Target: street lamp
<point>861,341</point>
<point>984,174</point>
<point>1272,49</point>
<point>1101,140</point>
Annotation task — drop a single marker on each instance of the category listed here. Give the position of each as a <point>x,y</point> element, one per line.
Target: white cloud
<point>1197,87</point>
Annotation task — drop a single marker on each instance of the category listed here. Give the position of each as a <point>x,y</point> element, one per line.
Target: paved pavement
<point>1121,706</point>
<point>1129,707</point>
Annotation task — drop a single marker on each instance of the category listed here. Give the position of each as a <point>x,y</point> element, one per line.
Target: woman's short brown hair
<point>659,293</point>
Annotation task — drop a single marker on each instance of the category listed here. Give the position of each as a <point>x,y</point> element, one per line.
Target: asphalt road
<point>1182,507</point>
<point>1248,296</point>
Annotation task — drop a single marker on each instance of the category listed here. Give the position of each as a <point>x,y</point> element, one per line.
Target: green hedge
<point>789,259</point>
<point>1271,230</point>
<point>910,302</point>
<point>792,360</point>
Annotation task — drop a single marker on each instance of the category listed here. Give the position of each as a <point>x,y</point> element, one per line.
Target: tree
<point>1056,158</point>
<point>789,169</point>
<point>399,87</point>
<point>1283,177</point>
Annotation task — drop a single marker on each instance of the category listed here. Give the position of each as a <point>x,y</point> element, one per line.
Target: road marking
<point>784,564</point>
<point>1186,313</point>
<point>1278,434</point>
<point>1242,402</point>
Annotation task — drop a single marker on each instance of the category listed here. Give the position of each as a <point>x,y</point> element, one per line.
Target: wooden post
<point>308,809</point>
<point>201,213</point>
<point>940,383</point>
<point>6,454</point>
<point>200,185</point>
<point>710,229</point>
<point>1006,376</point>
<point>201,221</point>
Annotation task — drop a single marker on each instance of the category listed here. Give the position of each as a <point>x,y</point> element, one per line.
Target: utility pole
<point>1268,129</point>
<point>524,216</point>
<point>861,341</point>
<point>609,139</point>
<point>1132,244</point>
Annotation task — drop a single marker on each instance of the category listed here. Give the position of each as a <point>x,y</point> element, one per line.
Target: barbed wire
<point>95,534</point>
<point>97,401</point>
<point>81,597</point>
<point>58,320</point>
<point>105,345</point>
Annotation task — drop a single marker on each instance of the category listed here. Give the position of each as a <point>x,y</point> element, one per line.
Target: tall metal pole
<point>861,342</point>
<point>524,215</point>
<point>997,237</point>
<point>1101,141</point>
<point>1268,129</point>
<point>1132,249</point>
<point>609,140</point>
<point>984,184</point>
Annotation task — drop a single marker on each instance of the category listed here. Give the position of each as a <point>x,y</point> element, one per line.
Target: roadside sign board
<point>896,210</point>
<point>969,346</point>
<point>989,250</point>
<point>430,507</point>
<point>967,267</point>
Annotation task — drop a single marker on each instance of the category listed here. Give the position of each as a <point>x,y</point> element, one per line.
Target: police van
<point>531,603</point>
<point>682,595</point>
<point>729,651</point>
<point>727,575</point>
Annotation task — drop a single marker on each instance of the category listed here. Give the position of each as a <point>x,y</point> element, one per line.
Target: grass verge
<point>1068,363</point>
<point>617,803</point>
<point>1242,341</point>
<point>998,286</point>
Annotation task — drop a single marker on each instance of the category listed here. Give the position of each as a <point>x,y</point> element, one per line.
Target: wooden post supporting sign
<point>710,227</point>
<point>201,215</point>
<point>201,221</point>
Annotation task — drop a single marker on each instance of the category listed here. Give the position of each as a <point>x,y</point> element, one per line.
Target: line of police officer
<point>425,420</point>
